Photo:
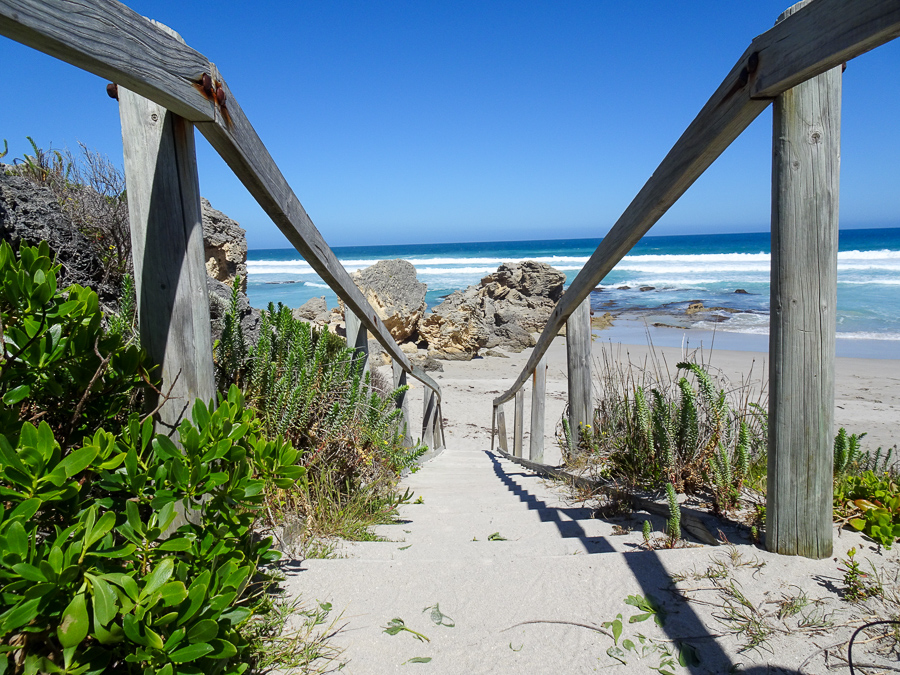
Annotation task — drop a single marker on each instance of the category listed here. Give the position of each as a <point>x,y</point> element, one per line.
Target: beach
<point>867,391</point>
<point>529,573</point>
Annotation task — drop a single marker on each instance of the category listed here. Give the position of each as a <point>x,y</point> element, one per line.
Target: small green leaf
<point>191,653</point>
<point>617,654</point>
<point>418,659</point>
<point>104,600</point>
<point>75,462</point>
<point>29,572</point>
<point>222,649</point>
<point>203,631</point>
<point>158,577</point>
<point>176,543</point>
<point>19,615</point>
<point>14,396</point>
<point>75,625</point>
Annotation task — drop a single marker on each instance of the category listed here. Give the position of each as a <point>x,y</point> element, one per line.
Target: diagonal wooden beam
<point>821,35</point>
<point>108,39</point>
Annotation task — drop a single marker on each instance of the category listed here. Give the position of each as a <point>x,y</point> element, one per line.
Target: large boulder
<point>30,213</point>
<point>396,295</point>
<point>219,303</point>
<point>503,310</point>
<point>225,246</point>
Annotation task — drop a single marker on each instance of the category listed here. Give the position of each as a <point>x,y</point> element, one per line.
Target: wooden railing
<point>166,89</point>
<point>796,65</point>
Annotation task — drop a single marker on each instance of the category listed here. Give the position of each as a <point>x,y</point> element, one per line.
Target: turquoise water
<point>680,269</point>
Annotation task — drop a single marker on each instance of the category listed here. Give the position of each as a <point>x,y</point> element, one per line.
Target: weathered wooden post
<point>167,244</point>
<point>519,423</point>
<point>501,428</point>
<point>805,182</point>
<point>357,338</point>
<point>429,416</point>
<point>402,401</point>
<point>538,393</point>
<point>578,360</point>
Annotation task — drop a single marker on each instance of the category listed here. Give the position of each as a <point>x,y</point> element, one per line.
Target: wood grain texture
<point>805,191</point>
<point>357,338</point>
<point>519,423</point>
<point>501,429</point>
<point>108,39</point>
<point>783,61</point>
<point>538,405</point>
<point>819,36</point>
<point>237,142</point>
<point>578,362</point>
<point>167,245</point>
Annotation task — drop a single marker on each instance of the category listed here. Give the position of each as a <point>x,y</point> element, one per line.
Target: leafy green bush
<point>93,576</point>
<point>56,363</point>
<point>870,503</point>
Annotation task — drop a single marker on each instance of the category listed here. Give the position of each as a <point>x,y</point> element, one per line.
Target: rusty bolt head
<point>112,90</point>
<point>220,96</point>
<point>206,82</point>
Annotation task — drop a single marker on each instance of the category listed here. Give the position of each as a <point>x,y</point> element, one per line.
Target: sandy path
<point>557,566</point>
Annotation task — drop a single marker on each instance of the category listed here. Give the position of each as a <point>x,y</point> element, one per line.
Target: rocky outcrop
<point>225,246</point>
<point>396,295</point>
<point>220,301</point>
<point>314,310</point>
<point>30,213</point>
<point>503,310</point>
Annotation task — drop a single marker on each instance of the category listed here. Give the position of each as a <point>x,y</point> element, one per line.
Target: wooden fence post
<point>429,415</point>
<point>538,393</point>
<point>805,184</point>
<point>578,360</point>
<point>357,338</point>
<point>501,429</point>
<point>519,423</point>
<point>167,244</point>
<point>402,401</point>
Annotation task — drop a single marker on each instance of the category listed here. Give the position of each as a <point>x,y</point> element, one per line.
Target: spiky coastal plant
<point>310,388</point>
<point>673,525</point>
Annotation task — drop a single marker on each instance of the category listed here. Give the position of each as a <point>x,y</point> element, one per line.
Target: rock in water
<point>503,310</point>
<point>225,246</point>
<point>396,295</point>
<point>314,310</point>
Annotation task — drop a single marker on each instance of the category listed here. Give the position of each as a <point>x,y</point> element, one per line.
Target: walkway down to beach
<point>549,561</point>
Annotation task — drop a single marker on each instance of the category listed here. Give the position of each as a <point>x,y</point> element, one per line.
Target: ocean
<point>673,271</point>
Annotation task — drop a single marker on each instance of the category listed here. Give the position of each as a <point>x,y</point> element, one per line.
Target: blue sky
<point>425,121</point>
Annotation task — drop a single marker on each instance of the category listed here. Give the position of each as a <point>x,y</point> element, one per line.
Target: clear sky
<point>434,121</point>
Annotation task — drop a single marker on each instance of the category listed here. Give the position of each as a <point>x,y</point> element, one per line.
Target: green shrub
<point>90,580</point>
<point>310,387</point>
<point>56,363</point>
<point>649,432</point>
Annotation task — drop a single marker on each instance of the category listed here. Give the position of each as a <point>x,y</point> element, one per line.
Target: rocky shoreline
<point>502,314</point>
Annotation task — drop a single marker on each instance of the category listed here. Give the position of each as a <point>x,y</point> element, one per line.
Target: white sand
<point>527,604</point>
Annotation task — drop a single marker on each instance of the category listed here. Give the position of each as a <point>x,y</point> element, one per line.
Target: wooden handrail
<point>818,37</point>
<point>108,39</point>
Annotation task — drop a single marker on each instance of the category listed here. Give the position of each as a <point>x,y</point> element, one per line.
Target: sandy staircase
<point>547,561</point>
